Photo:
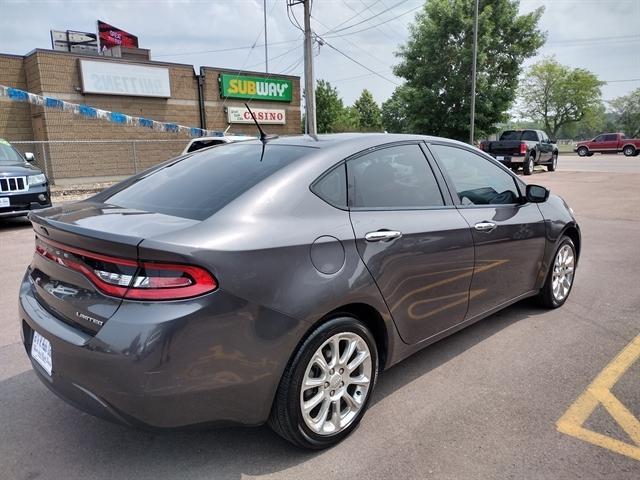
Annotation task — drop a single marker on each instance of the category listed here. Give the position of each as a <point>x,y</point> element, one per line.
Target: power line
<point>377,25</point>
<point>248,47</point>
<point>350,18</point>
<point>370,18</point>
<point>358,63</point>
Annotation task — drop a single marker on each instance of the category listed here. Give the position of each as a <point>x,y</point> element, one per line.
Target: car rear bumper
<point>509,159</point>
<point>161,372</point>
<point>23,202</point>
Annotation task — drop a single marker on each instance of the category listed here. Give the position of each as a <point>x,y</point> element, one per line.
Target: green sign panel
<point>256,88</point>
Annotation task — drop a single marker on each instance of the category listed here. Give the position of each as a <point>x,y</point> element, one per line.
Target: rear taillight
<point>523,148</point>
<point>130,279</point>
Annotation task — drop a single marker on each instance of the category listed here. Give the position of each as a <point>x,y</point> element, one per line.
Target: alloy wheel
<point>336,383</point>
<point>563,270</point>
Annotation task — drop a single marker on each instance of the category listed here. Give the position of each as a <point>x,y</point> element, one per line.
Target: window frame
<point>430,161</point>
<point>323,175</point>
<point>453,192</point>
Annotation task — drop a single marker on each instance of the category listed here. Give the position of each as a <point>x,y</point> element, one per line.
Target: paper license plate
<point>41,351</point>
<point>499,157</point>
<point>4,202</point>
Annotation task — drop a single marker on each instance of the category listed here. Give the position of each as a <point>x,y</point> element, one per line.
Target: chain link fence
<point>98,159</point>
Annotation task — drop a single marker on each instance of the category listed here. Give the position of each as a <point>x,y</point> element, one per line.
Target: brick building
<point>212,98</point>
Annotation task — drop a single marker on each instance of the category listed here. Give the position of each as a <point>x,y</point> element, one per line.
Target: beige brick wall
<point>57,74</point>
<point>15,117</point>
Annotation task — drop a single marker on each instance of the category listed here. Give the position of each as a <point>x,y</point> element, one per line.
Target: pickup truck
<point>609,143</point>
<point>523,148</point>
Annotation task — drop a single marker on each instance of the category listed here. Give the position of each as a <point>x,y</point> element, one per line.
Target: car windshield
<point>9,155</point>
<point>199,185</point>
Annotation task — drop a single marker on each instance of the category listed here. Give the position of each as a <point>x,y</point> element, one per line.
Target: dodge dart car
<point>271,282</point>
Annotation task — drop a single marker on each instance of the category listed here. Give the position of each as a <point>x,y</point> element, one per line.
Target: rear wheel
<point>554,163</point>
<point>583,151</point>
<point>529,164</point>
<point>326,388</point>
<point>629,151</point>
<point>559,282</point>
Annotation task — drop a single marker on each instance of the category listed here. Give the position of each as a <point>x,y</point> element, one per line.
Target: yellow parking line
<point>599,393</point>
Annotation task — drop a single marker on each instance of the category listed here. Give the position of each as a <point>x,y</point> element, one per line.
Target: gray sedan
<point>251,283</point>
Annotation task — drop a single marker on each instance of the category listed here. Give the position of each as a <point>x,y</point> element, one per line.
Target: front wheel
<point>554,163</point>
<point>557,286</point>
<point>327,386</point>
<point>629,151</point>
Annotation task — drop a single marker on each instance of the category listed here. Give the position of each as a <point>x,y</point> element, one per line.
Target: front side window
<point>393,178</point>
<point>477,181</point>
<point>610,138</point>
<point>599,138</point>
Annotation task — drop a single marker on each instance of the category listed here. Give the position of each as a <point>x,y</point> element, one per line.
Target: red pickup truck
<point>609,143</point>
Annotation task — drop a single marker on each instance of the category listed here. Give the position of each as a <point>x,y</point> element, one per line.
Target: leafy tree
<point>557,95</point>
<point>367,112</point>
<point>436,63</point>
<point>627,111</point>
<point>593,123</point>
<point>347,121</point>
<point>395,109</point>
<point>329,107</point>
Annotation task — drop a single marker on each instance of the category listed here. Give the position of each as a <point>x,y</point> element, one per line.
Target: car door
<point>546,147</point>
<point>598,144</point>
<point>610,143</point>
<point>508,233</point>
<point>415,243</point>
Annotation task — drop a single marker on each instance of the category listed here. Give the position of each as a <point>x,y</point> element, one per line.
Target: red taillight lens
<point>125,278</point>
<point>523,148</point>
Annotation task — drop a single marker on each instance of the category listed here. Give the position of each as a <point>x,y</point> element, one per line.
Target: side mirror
<point>537,194</point>
<point>29,157</point>
<point>553,140</point>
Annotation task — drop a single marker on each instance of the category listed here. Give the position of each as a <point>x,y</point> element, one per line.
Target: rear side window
<point>529,136</point>
<point>610,138</point>
<point>332,187</point>
<point>199,185</point>
<point>392,178</point>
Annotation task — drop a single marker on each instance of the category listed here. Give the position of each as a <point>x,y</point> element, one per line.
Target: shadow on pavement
<point>15,223</point>
<point>43,437</point>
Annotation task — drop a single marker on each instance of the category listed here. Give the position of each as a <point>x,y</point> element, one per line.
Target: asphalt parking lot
<point>514,396</point>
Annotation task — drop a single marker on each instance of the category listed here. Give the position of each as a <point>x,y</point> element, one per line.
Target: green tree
<point>627,111</point>
<point>436,63</point>
<point>347,121</point>
<point>593,123</point>
<point>329,107</point>
<point>557,95</point>
<point>367,112</point>
<point>395,110</point>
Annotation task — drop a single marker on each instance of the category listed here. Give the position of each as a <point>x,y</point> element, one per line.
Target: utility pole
<point>310,91</point>
<point>266,56</point>
<point>473,74</point>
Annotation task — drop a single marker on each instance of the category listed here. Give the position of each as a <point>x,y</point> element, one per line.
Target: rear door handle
<point>485,226</point>
<point>382,236</point>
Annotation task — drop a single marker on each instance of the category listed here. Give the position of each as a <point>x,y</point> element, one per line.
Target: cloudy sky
<point>600,35</point>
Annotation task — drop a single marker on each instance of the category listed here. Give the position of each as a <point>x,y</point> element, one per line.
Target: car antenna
<point>264,138</point>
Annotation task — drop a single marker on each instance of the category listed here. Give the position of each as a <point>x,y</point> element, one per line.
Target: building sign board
<point>111,36</point>
<point>255,88</point>
<point>263,115</point>
<point>72,41</point>
<point>112,78</point>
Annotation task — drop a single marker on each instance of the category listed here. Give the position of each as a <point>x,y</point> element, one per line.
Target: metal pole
<point>135,157</point>
<point>473,74</point>
<point>310,91</point>
<point>266,56</point>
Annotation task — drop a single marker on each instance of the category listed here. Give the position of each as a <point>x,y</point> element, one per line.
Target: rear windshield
<point>526,135</point>
<point>199,185</point>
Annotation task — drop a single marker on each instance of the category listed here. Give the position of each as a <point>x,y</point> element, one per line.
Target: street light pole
<point>266,56</point>
<point>473,73</point>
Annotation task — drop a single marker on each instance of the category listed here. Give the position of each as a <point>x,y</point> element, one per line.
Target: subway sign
<point>255,88</point>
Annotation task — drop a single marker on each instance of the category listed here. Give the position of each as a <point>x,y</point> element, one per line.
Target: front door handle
<point>382,236</point>
<point>485,226</point>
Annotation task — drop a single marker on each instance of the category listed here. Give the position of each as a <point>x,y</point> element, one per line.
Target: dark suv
<point>23,187</point>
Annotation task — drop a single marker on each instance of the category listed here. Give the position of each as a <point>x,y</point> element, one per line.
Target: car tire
<point>561,275</point>
<point>305,379</point>
<point>554,163</point>
<point>529,164</point>
<point>583,151</point>
<point>629,151</point>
